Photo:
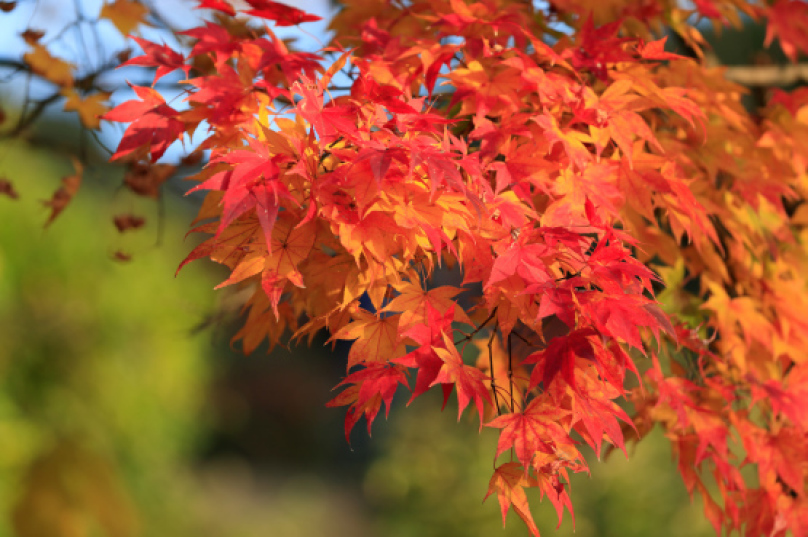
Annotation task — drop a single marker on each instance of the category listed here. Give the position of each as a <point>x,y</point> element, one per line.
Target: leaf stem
<point>491,366</point>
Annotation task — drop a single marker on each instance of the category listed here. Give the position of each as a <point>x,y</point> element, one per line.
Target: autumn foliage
<point>624,227</point>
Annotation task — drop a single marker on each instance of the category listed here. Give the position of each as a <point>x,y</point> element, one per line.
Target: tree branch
<point>767,75</point>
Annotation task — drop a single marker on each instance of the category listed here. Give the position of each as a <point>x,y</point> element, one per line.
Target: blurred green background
<point>124,412</point>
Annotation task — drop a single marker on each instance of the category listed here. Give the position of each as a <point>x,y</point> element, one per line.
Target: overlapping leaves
<point>552,176</point>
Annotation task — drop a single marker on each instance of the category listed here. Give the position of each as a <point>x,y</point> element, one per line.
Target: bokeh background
<point>125,412</point>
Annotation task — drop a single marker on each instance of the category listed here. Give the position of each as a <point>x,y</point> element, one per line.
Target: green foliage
<point>425,484</point>
<point>101,392</point>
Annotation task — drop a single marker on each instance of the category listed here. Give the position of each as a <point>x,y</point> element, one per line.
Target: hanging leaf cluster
<point>624,227</point>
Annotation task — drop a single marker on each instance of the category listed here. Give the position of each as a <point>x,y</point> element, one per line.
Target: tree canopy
<point>624,227</point>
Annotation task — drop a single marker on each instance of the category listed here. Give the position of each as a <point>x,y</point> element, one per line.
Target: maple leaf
<point>655,50</point>
<point>598,417</point>
<point>376,338</point>
<point>509,482</point>
<point>219,5</point>
<point>468,380</point>
<point>161,56</point>
<point>330,121</point>
<point>154,124</point>
<point>375,383</point>
<point>90,108</point>
<point>126,15</point>
<point>535,429</point>
<point>49,67</point>
<point>62,197</point>
<point>213,39</point>
<point>424,358</point>
<point>788,20</point>
<point>280,14</point>
<point>230,246</point>
<point>524,260</point>
<point>573,141</point>
<point>561,356</point>
<point>150,100</point>
<point>263,322</point>
<point>434,66</point>
<point>413,301</point>
<point>291,244</point>
<point>598,47</point>
<point>252,183</point>
<point>621,316</point>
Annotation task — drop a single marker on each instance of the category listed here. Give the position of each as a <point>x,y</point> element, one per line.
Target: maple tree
<point>625,228</point>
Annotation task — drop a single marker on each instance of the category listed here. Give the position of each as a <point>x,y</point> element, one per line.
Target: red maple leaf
<point>252,183</point>
<point>788,20</point>
<point>560,356</point>
<point>213,39</point>
<point>536,429</point>
<point>154,124</point>
<point>599,47</point>
<point>655,50</point>
<point>374,384</point>
<point>281,14</point>
<point>598,417</point>
<point>161,56</point>
<point>424,358</point>
<point>468,380</point>
<point>220,5</point>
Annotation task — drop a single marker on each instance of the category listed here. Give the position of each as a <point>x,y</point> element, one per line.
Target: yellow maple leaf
<point>49,67</point>
<point>89,108</point>
<point>126,15</point>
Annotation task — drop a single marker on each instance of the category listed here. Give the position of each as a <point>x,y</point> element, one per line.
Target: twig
<point>84,83</point>
<point>493,377</point>
<point>470,335</point>
<point>510,370</point>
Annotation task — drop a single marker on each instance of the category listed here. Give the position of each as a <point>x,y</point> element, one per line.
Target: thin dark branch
<point>470,335</point>
<point>26,120</point>
<point>16,64</point>
<point>510,370</point>
<point>493,377</point>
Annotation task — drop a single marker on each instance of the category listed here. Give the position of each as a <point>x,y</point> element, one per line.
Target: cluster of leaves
<point>82,84</point>
<point>569,166</point>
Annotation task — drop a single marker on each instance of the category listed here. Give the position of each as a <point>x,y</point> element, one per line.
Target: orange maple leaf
<point>126,15</point>
<point>90,108</point>
<point>58,71</point>
<point>509,482</point>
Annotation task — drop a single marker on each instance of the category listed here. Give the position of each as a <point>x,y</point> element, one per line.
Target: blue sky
<point>89,45</point>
